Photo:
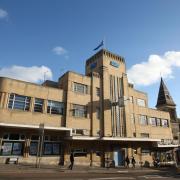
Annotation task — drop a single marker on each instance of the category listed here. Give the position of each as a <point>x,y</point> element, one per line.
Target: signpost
<point>40,145</point>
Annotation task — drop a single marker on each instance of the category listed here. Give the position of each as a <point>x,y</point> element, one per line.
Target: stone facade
<point>99,116</point>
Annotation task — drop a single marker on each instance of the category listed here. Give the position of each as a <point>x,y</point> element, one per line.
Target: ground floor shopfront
<point>57,145</point>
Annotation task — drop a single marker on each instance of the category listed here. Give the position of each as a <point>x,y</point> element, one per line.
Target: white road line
<point>122,171</point>
<point>111,178</point>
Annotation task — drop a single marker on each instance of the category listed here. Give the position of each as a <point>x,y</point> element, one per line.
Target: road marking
<point>111,178</point>
<point>122,171</point>
<point>152,177</point>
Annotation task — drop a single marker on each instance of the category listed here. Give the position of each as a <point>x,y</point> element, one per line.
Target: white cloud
<point>3,14</point>
<point>149,72</point>
<point>59,50</point>
<point>33,74</point>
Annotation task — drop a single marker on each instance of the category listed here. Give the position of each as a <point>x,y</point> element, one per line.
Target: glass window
<point>98,91</point>
<point>55,107</point>
<point>143,119</point>
<point>80,152</point>
<point>152,121</point>
<point>164,123</point>
<point>14,137</point>
<point>158,122</point>
<point>38,105</point>
<point>33,148</point>
<point>79,110</point>
<point>81,88</point>
<point>141,102</point>
<point>51,148</point>
<point>19,102</point>
<point>12,148</point>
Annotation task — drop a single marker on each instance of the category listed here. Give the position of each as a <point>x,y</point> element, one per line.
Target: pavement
<point>76,169</point>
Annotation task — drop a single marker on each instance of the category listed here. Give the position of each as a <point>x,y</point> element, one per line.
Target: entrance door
<point>119,156</point>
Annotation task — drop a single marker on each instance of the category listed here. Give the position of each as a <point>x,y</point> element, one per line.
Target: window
<point>51,148</point>
<point>12,148</point>
<point>98,113</point>
<point>158,122</point>
<point>152,121</point>
<point>132,119</point>
<point>164,123</point>
<point>145,135</point>
<point>55,107</point>
<point>38,105</point>
<point>143,120</point>
<point>19,102</point>
<point>98,91</point>
<point>81,88</point>
<point>79,110</point>
<point>141,102</point>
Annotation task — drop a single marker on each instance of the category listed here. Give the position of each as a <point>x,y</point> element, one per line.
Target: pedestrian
<point>71,160</point>
<point>133,161</point>
<point>127,162</point>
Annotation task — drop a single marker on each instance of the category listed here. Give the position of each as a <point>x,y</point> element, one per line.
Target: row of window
<point>23,103</point>
<point>153,121</point>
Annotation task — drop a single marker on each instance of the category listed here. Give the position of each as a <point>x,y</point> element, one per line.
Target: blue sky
<point>54,36</point>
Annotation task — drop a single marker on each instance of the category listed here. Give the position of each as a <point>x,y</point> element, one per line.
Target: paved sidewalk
<point>20,168</point>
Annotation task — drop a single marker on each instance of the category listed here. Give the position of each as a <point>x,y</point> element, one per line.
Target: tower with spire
<point>165,101</point>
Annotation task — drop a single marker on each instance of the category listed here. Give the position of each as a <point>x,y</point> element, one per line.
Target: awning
<point>36,127</point>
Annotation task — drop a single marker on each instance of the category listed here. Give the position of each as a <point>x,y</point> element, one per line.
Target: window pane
<point>79,110</point>
<point>81,88</point>
<point>55,107</point>
<point>33,148</point>
<point>19,102</point>
<point>7,148</point>
<point>152,121</point>
<point>38,105</point>
<point>17,149</point>
<point>143,119</point>
<point>141,102</point>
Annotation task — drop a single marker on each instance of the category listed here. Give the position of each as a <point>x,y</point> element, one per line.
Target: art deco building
<point>99,116</point>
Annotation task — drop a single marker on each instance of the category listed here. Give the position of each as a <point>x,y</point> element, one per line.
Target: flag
<point>101,44</point>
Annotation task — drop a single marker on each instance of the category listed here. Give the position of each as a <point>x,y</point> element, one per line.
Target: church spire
<point>164,97</point>
<point>165,101</point>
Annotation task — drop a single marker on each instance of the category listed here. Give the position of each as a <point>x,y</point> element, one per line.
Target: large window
<point>141,102</point>
<point>55,107</point>
<point>152,121</point>
<point>158,122</point>
<point>19,102</point>
<point>164,123</point>
<point>79,110</point>
<point>143,120</point>
<point>38,105</point>
<point>80,88</point>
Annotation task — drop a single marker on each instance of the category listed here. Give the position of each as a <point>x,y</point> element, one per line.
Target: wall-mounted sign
<point>114,63</point>
<point>93,65</point>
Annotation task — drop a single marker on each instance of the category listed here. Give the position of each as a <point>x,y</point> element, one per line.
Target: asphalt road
<point>24,173</point>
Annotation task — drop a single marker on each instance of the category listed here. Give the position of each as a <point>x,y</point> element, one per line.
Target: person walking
<point>133,161</point>
<point>71,160</point>
<point>127,162</point>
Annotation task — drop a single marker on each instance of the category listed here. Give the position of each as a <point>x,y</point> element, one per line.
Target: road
<point>54,174</point>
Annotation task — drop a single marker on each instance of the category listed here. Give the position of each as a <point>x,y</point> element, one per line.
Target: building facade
<point>98,116</point>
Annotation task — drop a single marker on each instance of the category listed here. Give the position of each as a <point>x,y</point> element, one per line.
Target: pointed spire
<point>164,97</point>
